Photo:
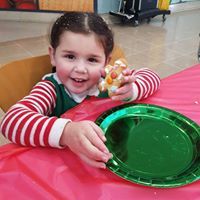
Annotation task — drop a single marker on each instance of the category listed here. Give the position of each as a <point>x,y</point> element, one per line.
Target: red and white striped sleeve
<point>27,122</point>
<point>146,83</point>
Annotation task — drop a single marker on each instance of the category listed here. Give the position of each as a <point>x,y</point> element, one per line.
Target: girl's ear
<point>52,55</point>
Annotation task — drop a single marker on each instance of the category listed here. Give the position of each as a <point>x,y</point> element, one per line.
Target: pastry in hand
<point>114,76</point>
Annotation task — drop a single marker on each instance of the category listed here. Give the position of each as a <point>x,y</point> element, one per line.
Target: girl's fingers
<point>98,130</point>
<point>127,72</point>
<point>92,151</point>
<point>129,79</point>
<point>125,89</point>
<point>92,163</point>
<point>98,139</point>
<point>125,92</point>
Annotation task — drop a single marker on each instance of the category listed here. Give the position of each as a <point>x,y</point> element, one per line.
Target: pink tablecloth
<point>44,173</point>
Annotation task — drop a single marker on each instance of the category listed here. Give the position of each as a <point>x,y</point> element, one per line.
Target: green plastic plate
<point>152,145</point>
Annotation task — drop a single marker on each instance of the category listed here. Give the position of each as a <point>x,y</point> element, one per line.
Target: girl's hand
<point>125,92</point>
<point>86,139</point>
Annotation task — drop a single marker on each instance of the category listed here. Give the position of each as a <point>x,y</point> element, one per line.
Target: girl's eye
<point>93,60</point>
<point>70,57</point>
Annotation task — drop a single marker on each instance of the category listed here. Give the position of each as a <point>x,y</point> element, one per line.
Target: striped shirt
<point>28,122</point>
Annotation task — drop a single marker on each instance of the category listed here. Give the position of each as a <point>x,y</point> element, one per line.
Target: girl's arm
<point>146,83</point>
<point>27,122</point>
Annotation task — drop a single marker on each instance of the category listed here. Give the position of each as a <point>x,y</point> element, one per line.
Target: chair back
<point>18,77</point>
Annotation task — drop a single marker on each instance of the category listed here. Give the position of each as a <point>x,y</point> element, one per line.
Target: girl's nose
<point>80,67</point>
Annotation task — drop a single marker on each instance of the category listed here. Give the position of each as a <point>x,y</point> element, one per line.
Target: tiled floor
<point>164,47</point>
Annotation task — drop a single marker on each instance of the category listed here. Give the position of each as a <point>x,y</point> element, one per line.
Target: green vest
<point>63,101</point>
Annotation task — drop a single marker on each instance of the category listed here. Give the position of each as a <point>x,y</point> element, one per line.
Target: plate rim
<point>181,181</point>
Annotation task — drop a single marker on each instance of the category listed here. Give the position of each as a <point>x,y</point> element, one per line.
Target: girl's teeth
<point>78,80</point>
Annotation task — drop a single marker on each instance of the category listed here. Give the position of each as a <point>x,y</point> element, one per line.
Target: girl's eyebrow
<point>68,51</point>
<point>94,56</point>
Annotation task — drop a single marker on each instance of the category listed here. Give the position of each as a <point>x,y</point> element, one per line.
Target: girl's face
<point>79,59</point>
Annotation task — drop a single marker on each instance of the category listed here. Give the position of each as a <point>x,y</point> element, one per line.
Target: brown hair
<point>86,23</point>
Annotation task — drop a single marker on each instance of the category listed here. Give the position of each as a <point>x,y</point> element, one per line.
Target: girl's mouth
<point>79,80</point>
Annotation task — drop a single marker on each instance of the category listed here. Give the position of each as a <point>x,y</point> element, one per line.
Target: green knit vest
<point>63,101</point>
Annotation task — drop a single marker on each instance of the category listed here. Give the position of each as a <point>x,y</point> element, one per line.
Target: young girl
<point>80,47</point>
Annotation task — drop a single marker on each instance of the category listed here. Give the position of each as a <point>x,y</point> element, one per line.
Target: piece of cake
<point>114,76</point>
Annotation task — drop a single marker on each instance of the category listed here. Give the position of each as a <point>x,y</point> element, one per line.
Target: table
<point>46,173</point>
